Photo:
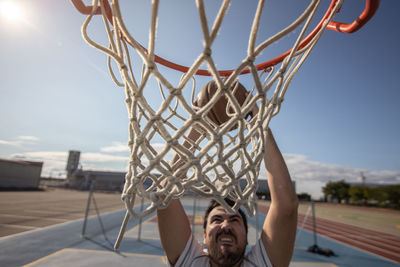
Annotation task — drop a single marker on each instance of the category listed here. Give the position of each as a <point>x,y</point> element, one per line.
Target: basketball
<point>218,112</point>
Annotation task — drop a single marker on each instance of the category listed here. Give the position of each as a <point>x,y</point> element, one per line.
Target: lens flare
<point>10,11</point>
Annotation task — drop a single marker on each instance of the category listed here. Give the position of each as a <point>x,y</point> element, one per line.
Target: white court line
<point>47,211</point>
<point>90,251</point>
<point>18,226</point>
<point>33,217</point>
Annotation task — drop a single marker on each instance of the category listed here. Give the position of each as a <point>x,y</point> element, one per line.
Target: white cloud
<point>101,158</point>
<point>311,176</point>
<point>20,141</point>
<point>115,147</point>
<point>28,138</point>
<point>41,155</point>
<point>159,147</point>
<point>9,143</point>
<point>122,147</point>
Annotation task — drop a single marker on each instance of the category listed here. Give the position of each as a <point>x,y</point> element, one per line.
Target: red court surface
<point>385,245</point>
<point>378,243</point>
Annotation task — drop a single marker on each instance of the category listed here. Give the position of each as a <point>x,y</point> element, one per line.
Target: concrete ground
<point>22,211</point>
<point>60,243</point>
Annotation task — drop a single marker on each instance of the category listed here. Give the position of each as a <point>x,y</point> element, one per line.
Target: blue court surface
<point>63,245</point>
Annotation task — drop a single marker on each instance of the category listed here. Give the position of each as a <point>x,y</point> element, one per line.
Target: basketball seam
<point>211,110</point>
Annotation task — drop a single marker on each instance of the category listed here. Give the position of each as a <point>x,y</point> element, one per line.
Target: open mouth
<point>226,240</point>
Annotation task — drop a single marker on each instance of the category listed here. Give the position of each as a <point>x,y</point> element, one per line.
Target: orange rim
<point>371,6</point>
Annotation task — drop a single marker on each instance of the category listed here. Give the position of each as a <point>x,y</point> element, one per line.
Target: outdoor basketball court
<point>62,244</point>
<point>182,138</point>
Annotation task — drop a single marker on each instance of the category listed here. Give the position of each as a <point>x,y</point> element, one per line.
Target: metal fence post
<point>91,186</point>
<point>140,221</point>
<point>194,213</point>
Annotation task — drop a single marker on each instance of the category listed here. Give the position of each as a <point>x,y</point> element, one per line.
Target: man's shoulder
<point>257,256</point>
<point>193,255</point>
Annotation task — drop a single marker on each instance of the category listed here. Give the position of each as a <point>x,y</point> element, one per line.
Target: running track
<point>382,244</point>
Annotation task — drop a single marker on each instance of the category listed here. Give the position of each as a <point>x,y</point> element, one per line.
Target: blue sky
<point>340,116</point>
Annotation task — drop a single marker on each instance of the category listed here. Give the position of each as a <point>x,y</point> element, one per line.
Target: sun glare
<point>10,11</point>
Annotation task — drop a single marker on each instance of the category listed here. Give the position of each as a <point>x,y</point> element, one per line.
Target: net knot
<point>196,117</point>
<point>217,138</point>
<point>139,140</point>
<point>173,180</point>
<point>282,71</point>
<point>250,60</point>
<point>196,162</point>
<point>156,118</point>
<point>242,144</point>
<point>151,66</point>
<point>172,142</point>
<point>207,52</point>
<point>175,92</point>
<point>132,119</point>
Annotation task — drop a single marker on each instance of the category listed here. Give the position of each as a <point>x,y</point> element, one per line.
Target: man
<point>225,235</point>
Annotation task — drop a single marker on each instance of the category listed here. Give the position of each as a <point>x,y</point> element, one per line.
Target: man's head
<point>225,235</point>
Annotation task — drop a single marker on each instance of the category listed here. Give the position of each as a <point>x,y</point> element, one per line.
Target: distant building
<point>262,185</point>
<point>20,174</point>
<point>105,180</point>
<point>72,162</point>
<point>80,179</point>
<point>100,180</point>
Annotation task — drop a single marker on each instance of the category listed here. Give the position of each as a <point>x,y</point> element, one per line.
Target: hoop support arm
<point>371,6</point>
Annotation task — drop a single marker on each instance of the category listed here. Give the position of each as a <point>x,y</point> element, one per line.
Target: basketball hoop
<point>214,164</point>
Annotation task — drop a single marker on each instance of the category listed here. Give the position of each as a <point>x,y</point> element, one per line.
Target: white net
<point>174,146</point>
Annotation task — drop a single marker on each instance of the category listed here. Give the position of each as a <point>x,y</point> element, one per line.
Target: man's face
<point>225,237</point>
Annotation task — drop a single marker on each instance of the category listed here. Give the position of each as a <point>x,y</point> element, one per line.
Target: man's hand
<point>279,230</point>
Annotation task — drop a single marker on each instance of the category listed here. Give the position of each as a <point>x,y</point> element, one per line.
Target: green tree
<point>304,197</point>
<point>359,193</point>
<point>394,195</point>
<point>356,193</point>
<point>380,195</point>
<point>337,190</point>
<point>388,195</point>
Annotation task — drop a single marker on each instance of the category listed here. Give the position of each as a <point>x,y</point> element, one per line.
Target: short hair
<point>213,204</point>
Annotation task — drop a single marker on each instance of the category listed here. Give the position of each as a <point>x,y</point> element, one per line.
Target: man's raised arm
<point>173,223</point>
<point>279,230</point>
